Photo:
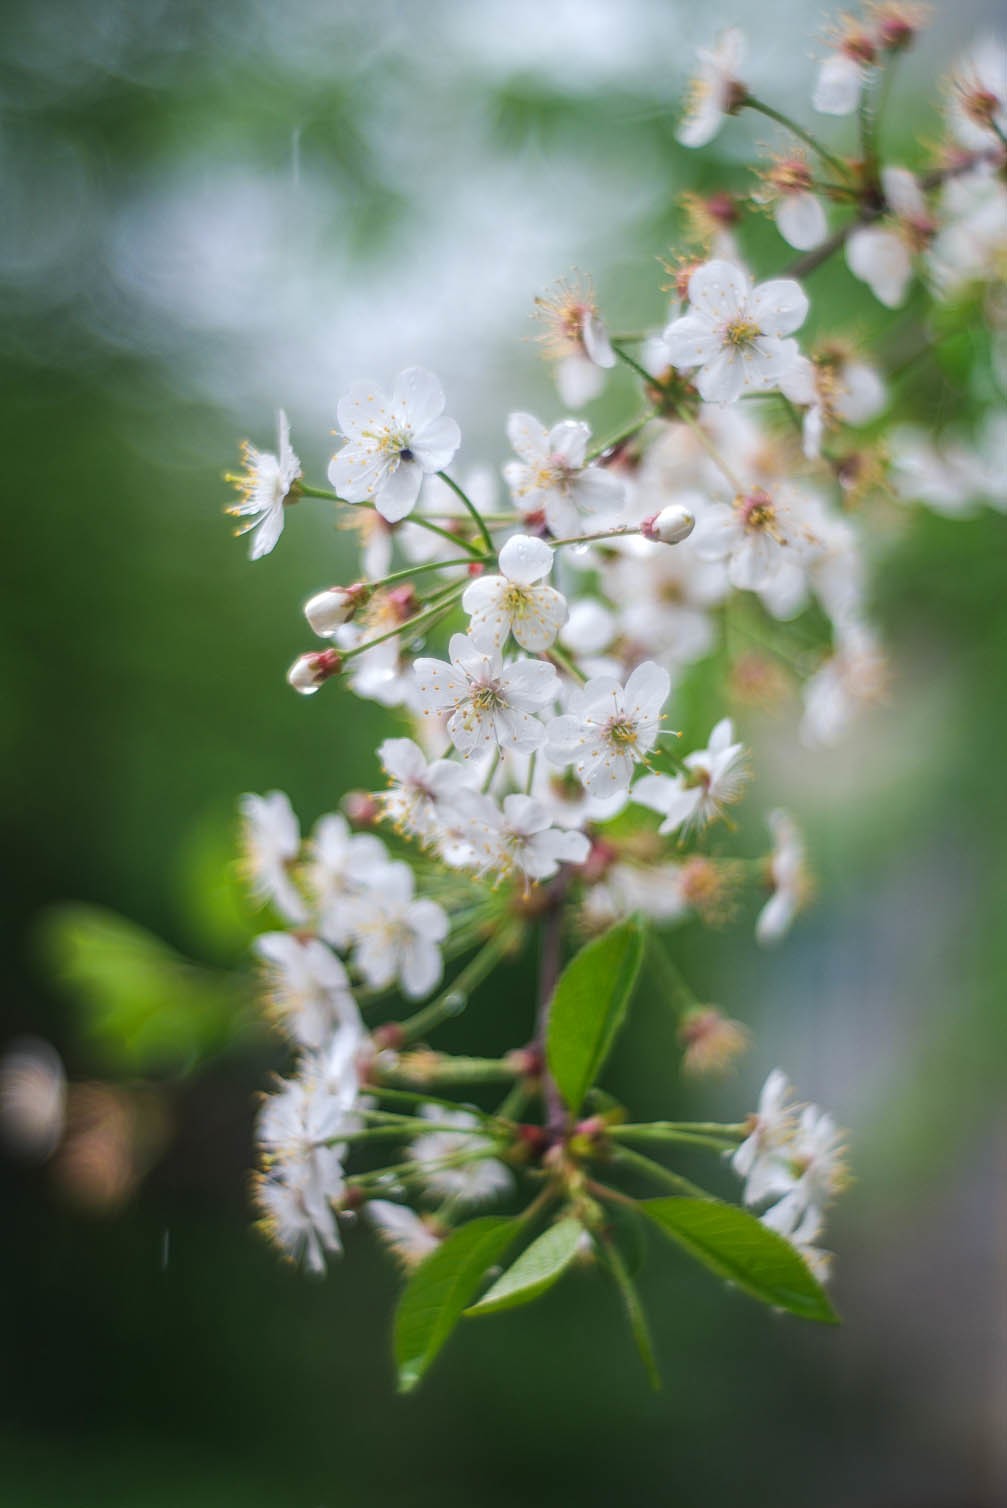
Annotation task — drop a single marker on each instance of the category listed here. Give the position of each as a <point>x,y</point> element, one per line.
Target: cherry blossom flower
<point>520,836</point>
<point>552,475</point>
<point>715,91</point>
<point>576,339</point>
<point>798,212</point>
<point>977,112</point>
<point>407,1234</point>
<point>475,1182</point>
<point>752,536</point>
<point>882,255</point>
<point>392,443</point>
<point>268,483</point>
<point>714,778</point>
<point>712,1042</point>
<point>609,729</point>
<point>487,701</point>
<point>733,331</point>
<point>788,876</point>
<point>309,988</point>
<point>298,1217</point>
<point>802,1231</point>
<point>272,844</point>
<point>855,676</point>
<point>817,1173</point>
<point>422,792</point>
<point>836,387</point>
<point>843,74</point>
<point>763,1158</point>
<point>517,601</point>
<point>341,865</point>
<point>396,936</point>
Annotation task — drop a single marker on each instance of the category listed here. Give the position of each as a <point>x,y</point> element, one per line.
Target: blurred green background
<point>212,211</point>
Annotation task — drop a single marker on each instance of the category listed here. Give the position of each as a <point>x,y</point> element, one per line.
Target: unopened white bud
<point>308,672</point>
<point>329,610</point>
<point>670,526</point>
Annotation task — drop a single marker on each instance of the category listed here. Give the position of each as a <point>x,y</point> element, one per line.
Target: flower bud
<point>329,610</point>
<point>670,526</point>
<point>308,672</point>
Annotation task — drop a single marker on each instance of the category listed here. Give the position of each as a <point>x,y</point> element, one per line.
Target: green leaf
<point>738,1247</point>
<point>635,1314</point>
<point>588,1006</point>
<point>141,1005</point>
<point>440,1289</point>
<point>536,1269</point>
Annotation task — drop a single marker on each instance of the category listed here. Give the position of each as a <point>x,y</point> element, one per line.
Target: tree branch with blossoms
<point>536,793</point>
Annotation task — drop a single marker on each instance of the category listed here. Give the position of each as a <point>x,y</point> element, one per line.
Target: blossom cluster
<point>535,779</point>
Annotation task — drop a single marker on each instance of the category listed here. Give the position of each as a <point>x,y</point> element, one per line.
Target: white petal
<point>525,559</point>
<point>903,193</point>
<point>434,446</point>
<point>528,437</point>
<point>837,88</point>
<point>722,379</point>
<point>801,220</point>
<point>568,441</point>
<point>396,496</point>
<point>579,380</point>
<point>779,307</point>
<point>880,259</point>
<point>419,395</point>
<point>691,341</point>
<point>364,407</point>
<point>719,289</point>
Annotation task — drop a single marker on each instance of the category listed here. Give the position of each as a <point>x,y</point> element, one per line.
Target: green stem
<point>452,1000</point>
<point>460,1071</point>
<point>621,437</point>
<point>663,1133</point>
<point>632,362</point>
<point>470,505</point>
<point>587,539</point>
<point>414,518</point>
<point>408,628</point>
<point>646,1166</point>
<point>725,470</point>
<point>419,570</point>
<point>837,166</point>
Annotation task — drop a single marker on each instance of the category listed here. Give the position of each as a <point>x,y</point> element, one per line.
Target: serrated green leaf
<point>738,1247</point>
<point>537,1268</point>
<point>440,1289</point>
<point>588,1007</point>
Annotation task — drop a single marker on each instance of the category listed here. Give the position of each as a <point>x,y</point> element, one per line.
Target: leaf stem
<point>837,166</point>
<point>470,505</point>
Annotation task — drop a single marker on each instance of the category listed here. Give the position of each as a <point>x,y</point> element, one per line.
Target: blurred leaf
<point>215,900</point>
<point>141,1004</point>
<point>738,1247</point>
<point>440,1289</point>
<point>536,1269</point>
<point>635,1314</point>
<point>588,1006</point>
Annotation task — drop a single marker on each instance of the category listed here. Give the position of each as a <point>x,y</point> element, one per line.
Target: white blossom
<point>977,112</point>
<point>839,85</point>
<point>517,601</point>
<point>853,677</point>
<point>272,844</point>
<point>733,331</point>
<point>341,865</point>
<point>422,792</point>
<point>487,701</point>
<point>714,778</point>
<point>472,1182</point>
<point>753,536</point>
<point>397,937</point>
<point>309,988</point>
<point>788,877</point>
<point>268,483</point>
<point>609,729</point>
<point>817,1173</point>
<point>715,90</point>
<point>520,835</point>
<point>392,443</point>
<point>407,1234</point>
<point>882,255</point>
<point>576,339</point>
<point>552,475</point>
<point>763,1159</point>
